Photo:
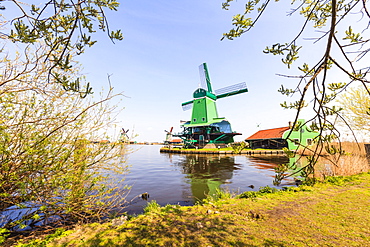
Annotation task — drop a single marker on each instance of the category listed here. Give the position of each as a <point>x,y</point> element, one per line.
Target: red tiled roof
<point>176,140</point>
<point>268,134</point>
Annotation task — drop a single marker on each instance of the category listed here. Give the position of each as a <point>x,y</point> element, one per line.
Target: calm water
<point>183,179</point>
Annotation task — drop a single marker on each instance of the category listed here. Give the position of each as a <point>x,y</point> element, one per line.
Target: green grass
<point>332,213</point>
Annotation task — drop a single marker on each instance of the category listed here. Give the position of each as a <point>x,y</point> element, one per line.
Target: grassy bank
<point>334,213</point>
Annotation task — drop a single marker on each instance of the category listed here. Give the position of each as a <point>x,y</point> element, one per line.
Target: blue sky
<point>156,65</point>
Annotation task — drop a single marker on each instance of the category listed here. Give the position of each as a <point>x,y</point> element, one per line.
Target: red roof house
<point>278,138</point>
<point>276,133</point>
<point>270,138</point>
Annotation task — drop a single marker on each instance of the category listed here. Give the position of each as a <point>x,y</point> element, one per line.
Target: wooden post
<point>367,150</point>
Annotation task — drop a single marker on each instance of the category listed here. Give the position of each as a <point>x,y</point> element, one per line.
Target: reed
<point>352,160</point>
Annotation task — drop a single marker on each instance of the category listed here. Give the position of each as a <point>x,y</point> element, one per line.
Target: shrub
<point>152,207</point>
<point>238,147</point>
<point>49,168</point>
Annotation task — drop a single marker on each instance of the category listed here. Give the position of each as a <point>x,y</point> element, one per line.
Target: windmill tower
<point>205,126</point>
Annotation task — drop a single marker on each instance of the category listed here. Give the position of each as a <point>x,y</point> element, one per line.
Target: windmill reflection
<point>205,173</point>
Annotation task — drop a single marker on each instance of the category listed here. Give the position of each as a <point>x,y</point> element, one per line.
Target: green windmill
<point>206,127</point>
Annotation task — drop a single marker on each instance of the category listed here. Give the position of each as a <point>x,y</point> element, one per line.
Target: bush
<point>238,147</point>
<point>3,234</point>
<point>49,168</point>
<point>260,192</point>
<point>152,207</point>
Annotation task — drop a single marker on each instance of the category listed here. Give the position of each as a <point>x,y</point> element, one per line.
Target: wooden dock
<point>205,151</point>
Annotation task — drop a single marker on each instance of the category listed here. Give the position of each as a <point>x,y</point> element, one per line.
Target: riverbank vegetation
<point>54,169</point>
<point>351,160</point>
<point>51,172</point>
<point>331,213</point>
<point>338,159</point>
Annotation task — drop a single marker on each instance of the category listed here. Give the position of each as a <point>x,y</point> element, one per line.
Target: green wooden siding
<point>304,135</point>
<point>204,111</point>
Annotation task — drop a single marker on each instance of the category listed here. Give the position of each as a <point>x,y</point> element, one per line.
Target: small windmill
<point>168,136</point>
<point>124,137</point>
<point>205,125</point>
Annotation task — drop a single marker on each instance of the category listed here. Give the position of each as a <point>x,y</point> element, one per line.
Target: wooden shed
<point>277,138</point>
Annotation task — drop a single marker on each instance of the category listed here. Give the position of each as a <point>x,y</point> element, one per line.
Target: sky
<point>155,66</point>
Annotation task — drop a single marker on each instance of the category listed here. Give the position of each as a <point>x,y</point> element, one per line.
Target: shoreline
<point>323,214</point>
<point>205,151</point>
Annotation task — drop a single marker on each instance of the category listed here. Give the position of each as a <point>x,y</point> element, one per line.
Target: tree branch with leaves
<point>65,27</point>
<point>343,57</point>
<point>50,169</point>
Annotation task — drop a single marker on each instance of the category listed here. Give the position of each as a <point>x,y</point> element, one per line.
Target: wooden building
<point>277,138</point>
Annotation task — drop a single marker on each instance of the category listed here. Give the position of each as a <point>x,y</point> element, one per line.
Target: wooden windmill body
<point>206,128</point>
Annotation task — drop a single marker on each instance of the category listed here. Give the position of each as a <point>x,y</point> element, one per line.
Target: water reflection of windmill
<point>206,173</point>
<point>205,126</point>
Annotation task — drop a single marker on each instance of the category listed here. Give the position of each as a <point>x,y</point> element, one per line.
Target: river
<point>185,178</point>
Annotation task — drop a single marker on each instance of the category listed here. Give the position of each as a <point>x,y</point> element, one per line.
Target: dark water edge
<point>184,179</point>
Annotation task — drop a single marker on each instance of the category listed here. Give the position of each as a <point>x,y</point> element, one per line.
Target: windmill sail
<point>204,77</point>
<point>187,105</point>
<point>206,90</point>
<point>231,90</point>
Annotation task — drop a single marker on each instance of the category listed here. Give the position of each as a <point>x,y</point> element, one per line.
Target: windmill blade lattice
<point>205,82</point>
<point>231,90</point>
<point>202,75</point>
<point>188,106</point>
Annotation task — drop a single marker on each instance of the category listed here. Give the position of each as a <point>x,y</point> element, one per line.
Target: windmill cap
<point>200,92</point>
